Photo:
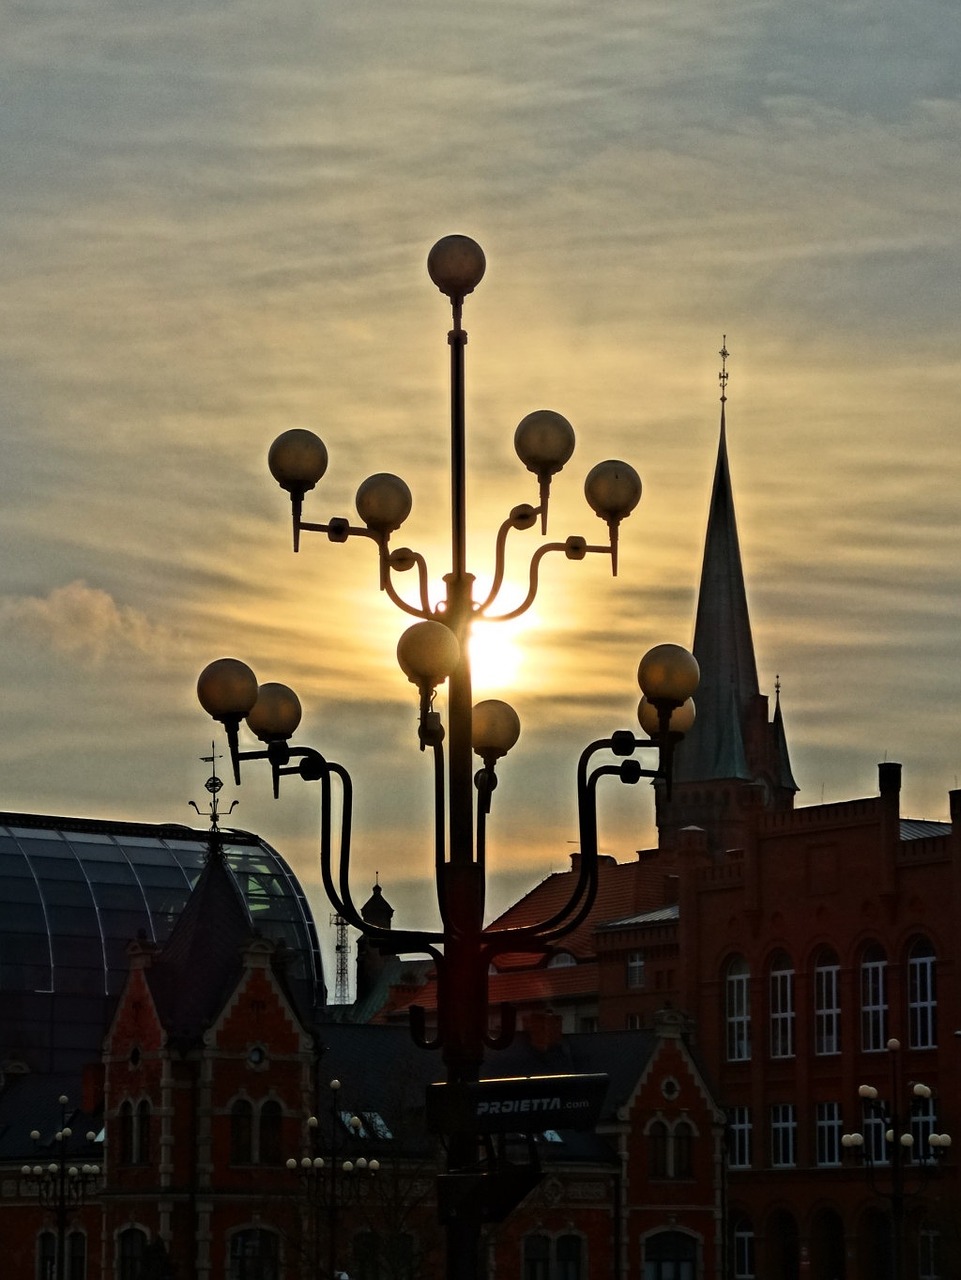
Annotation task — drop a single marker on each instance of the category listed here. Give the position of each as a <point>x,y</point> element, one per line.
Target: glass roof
<point>75,892</point>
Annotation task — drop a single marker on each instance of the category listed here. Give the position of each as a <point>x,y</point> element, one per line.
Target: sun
<point>497,656</point>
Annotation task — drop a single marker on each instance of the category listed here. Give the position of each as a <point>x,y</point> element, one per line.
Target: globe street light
<point>434,651</point>
<point>60,1183</point>
<point>331,1180</point>
<point>909,1139</point>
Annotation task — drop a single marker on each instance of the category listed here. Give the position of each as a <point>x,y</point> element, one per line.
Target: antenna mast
<point>342,950</point>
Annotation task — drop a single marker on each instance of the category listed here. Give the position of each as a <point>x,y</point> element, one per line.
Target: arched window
<point>254,1255</point>
<point>537,1257</point>
<point>683,1150</point>
<point>568,1251</point>
<point>46,1256</point>
<point>874,999</point>
<point>737,1010</point>
<point>781,989</point>
<point>657,1149</point>
<point>922,996</point>
<point>242,1132</point>
<point>76,1256</point>
<point>127,1145</point>
<point>131,1254</point>
<point>141,1152</point>
<point>271,1136</point>
<point>742,1249</point>
<point>827,1003</point>
<point>670,1255</point>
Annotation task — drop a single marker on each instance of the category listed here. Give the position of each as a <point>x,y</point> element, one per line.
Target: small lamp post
<point>60,1184</point>
<point>901,1154</point>
<point>332,1180</point>
<point>434,651</point>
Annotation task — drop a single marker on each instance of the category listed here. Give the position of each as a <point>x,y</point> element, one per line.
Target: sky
<point>215,220</point>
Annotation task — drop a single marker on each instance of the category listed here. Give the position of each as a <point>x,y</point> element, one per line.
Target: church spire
<point>723,642</point>
<point>732,754</point>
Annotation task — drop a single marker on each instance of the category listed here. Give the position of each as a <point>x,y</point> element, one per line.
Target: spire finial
<point>213,786</point>
<point>723,376</point>
<point>777,688</point>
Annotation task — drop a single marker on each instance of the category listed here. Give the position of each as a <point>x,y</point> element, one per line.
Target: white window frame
<point>827,1007</point>
<point>784,1135</point>
<point>737,1010</point>
<point>635,970</point>
<point>781,989</point>
<point>922,996</point>
<point>874,1001</point>
<point>743,1251</point>
<point>827,1133</point>
<point>739,1128</point>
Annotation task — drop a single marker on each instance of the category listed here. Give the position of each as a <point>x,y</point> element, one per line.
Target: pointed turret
<point>732,759</point>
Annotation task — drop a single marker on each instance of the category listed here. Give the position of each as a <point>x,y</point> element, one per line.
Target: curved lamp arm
<point>575,548</point>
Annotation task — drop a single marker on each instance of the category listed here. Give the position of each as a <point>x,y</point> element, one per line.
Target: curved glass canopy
<point>74,893</point>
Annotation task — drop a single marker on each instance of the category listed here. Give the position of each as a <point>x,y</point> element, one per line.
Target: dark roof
<point>74,892</point>
<point>202,960</point>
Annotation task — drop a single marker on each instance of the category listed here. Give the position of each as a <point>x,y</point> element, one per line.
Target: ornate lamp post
<point>331,1181</point>
<point>908,1168</point>
<point>60,1184</point>
<point>434,650</point>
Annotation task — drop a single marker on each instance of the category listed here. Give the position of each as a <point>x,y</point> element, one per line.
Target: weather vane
<point>723,376</point>
<point>213,786</point>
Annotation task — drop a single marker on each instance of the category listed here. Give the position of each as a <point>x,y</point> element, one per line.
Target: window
<point>737,1004</point>
<point>46,1256</point>
<point>923,1122</point>
<point>131,1254</point>
<point>76,1256</point>
<point>635,969</point>
<point>242,1132</point>
<point>657,1149</point>
<point>254,1255</point>
<point>874,1000</point>
<point>670,1255</point>
<point>537,1258</point>
<point>781,987</point>
<point>142,1133</point>
<point>783,1135</point>
<point>827,1122</point>
<point>560,1258</point>
<point>271,1133</point>
<point>922,1001</point>
<point>742,1249</point>
<point>568,1253</point>
<point>827,1004</point>
<point>683,1150</point>
<point>739,1137</point>
<point>929,1254</point>
<point>134,1132</point>
<point>125,1118</point>
<point>874,1127</point>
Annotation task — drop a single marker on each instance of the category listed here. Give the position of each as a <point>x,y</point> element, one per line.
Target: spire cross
<point>723,376</point>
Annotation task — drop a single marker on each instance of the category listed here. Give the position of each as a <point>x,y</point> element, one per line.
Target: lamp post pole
<point>331,1180</point>
<point>60,1185</point>
<point>434,650</point>
<point>899,1138</point>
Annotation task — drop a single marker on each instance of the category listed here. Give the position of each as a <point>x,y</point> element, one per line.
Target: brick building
<point>795,944</point>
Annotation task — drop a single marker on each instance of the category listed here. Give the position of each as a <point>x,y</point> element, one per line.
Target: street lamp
<point>332,1180</point>
<point>59,1184</point>
<point>903,1148</point>
<point>435,650</point>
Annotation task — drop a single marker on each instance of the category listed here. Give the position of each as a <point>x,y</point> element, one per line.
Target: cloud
<point>81,622</point>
